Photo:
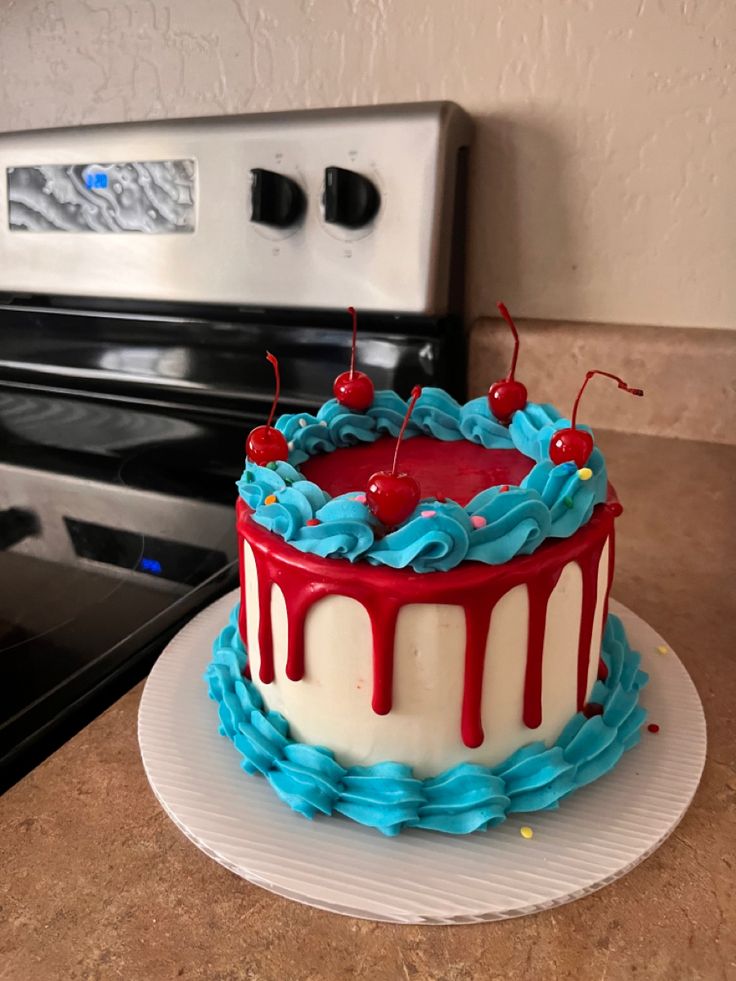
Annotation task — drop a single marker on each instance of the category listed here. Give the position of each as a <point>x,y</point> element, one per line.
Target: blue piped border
<point>466,798</point>
<point>551,502</point>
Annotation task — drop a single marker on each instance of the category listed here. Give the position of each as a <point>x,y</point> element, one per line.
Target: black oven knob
<point>275,199</point>
<point>350,199</point>
<point>17,524</point>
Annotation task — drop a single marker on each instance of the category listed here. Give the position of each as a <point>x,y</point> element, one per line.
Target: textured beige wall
<point>604,176</point>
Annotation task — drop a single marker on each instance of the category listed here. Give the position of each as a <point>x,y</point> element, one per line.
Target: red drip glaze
<point>303,579</point>
<point>265,633</point>
<point>589,568</point>
<point>477,621</point>
<point>383,612</point>
<point>298,603</point>
<point>539,594</point>
<point>615,509</point>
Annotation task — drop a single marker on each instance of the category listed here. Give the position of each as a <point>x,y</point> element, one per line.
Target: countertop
<point>98,883</point>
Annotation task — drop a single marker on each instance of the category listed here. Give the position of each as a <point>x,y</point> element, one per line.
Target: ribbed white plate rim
<point>596,836</point>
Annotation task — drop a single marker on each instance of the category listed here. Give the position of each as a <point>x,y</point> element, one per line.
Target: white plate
<point>595,837</point>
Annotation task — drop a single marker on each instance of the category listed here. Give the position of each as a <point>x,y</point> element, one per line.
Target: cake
<point>445,670</point>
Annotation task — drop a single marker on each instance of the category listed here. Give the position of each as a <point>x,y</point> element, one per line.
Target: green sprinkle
<point>568,502</point>
<point>288,482</point>
<point>248,477</point>
<point>270,465</point>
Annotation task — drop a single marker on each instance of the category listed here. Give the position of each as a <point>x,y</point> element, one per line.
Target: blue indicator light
<point>96,181</point>
<point>150,565</point>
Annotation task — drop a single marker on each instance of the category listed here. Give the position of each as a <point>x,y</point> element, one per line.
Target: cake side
<point>466,798</point>
<point>426,669</point>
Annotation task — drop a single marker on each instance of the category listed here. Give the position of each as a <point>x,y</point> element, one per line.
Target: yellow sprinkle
<point>526,832</point>
<point>585,473</point>
<point>271,499</point>
<point>662,649</point>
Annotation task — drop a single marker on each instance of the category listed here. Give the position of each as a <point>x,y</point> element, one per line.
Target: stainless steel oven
<point>144,269</point>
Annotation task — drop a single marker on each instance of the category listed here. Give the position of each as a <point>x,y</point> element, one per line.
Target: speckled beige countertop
<point>97,882</point>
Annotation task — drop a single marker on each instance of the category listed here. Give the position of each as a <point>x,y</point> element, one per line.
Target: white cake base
<point>332,863</point>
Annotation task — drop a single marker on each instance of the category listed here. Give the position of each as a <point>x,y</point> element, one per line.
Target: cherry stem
<point>415,393</point>
<point>275,362</point>
<point>607,374</point>
<point>354,314</point>
<point>507,317</point>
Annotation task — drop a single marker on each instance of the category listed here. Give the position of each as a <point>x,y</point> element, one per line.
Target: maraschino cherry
<point>575,445</point>
<point>353,389</point>
<point>507,396</point>
<point>392,496</point>
<point>266,444</point>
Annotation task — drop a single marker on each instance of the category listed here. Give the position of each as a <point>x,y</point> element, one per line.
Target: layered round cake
<point>426,647</point>
<point>444,670</point>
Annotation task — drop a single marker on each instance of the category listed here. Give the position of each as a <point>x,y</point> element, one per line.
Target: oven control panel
<point>315,209</point>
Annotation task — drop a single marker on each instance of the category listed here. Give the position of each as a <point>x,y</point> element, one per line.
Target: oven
<point>145,268</point>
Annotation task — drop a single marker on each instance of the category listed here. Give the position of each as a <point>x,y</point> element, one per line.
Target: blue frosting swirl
<point>435,537</point>
<point>516,522</point>
<point>479,425</point>
<point>387,412</point>
<point>437,414</point>
<point>552,501</point>
<point>467,797</point>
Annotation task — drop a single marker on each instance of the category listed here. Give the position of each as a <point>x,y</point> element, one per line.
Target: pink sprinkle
<point>360,498</point>
<point>477,521</point>
<point>428,514</point>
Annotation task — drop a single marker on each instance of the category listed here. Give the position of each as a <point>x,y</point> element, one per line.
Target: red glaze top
<point>474,468</point>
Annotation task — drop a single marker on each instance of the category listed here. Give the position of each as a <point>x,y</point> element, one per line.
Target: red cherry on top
<point>392,496</point>
<point>353,389</point>
<point>266,444</point>
<point>571,446</point>
<point>507,396</point>
<point>576,445</point>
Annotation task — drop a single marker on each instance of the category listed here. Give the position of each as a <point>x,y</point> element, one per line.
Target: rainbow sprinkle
<point>271,499</point>
<point>663,649</point>
<point>428,514</point>
<point>526,832</point>
<point>585,473</point>
<point>477,521</point>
